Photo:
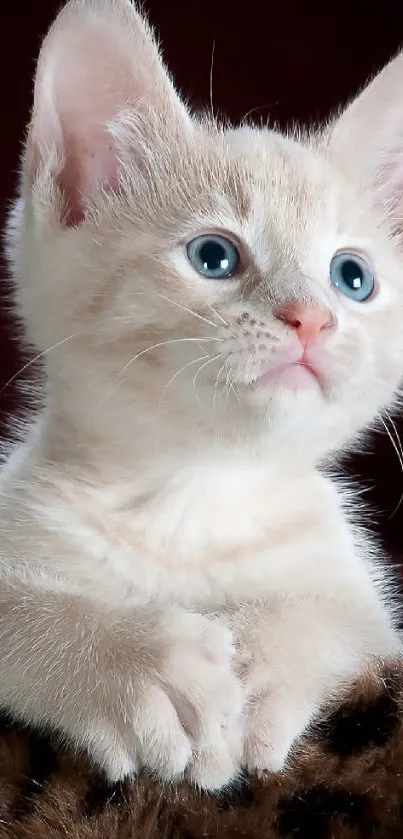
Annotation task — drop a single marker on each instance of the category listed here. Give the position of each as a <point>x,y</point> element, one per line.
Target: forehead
<point>294,194</point>
<point>286,199</point>
<point>239,163</point>
<point>289,178</point>
<point>283,194</point>
<point>264,187</point>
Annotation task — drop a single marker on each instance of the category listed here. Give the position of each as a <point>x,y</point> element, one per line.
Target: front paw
<point>273,724</point>
<point>260,739</point>
<point>208,698</point>
<point>294,654</point>
<point>202,687</point>
<point>183,693</point>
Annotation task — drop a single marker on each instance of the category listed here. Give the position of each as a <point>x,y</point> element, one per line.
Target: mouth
<point>295,375</point>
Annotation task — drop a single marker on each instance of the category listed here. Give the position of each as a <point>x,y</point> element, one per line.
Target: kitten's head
<point>236,280</point>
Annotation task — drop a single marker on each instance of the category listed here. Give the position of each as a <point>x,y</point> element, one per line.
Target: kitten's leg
<point>297,653</point>
<point>133,689</point>
<point>294,654</point>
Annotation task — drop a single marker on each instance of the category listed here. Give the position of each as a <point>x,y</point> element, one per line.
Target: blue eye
<point>214,257</point>
<point>352,276</point>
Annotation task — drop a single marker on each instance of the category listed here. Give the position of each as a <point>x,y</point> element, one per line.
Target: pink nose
<point>308,320</point>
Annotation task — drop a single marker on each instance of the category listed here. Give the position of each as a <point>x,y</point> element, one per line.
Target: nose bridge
<point>292,283</point>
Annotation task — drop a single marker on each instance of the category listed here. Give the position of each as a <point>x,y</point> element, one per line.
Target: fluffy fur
<point>181,586</point>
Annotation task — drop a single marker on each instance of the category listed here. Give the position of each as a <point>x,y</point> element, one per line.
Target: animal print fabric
<point>345,781</point>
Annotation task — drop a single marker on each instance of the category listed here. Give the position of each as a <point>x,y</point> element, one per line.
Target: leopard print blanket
<point>345,781</point>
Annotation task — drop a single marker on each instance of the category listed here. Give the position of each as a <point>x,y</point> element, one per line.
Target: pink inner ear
<point>79,91</point>
<point>98,60</point>
<point>368,136</point>
<point>92,65</point>
<point>90,86</point>
<point>90,162</point>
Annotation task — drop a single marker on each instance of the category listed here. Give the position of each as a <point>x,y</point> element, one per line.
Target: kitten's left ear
<point>368,136</point>
<point>98,60</point>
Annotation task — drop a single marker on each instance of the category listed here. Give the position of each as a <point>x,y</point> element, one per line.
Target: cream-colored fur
<point>181,585</point>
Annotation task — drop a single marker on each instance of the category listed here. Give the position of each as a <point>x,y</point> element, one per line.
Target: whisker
<point>227,388</point>
<point>399,453</point>
<point>258,288</point>
<point>396,434</point>
<point>217,379</point>
<point>206,363</point>
<point>397,392</point>
<point>259,108</point>
<point>185,309</point>
<point>250,282</point>
<point>174,303</point>
<point>400,450</point>
<point>227,377</point>
<point>232,389</point>
<point>37,358</point>
<point>217,314</point>
<point>229,385</point>
<point>163,344</point>
<point>181,369</point>
<point>211,78</point>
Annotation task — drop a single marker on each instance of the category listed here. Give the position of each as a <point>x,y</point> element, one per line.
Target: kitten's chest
<point>203,548</point>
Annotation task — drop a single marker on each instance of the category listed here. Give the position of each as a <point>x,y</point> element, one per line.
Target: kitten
<point>217,310</point>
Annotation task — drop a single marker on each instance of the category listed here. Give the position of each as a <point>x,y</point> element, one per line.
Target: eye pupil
<point>214,257</point>
<point>352,274</point>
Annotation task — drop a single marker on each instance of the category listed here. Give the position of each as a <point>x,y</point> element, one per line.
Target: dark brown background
<point>292,59</point>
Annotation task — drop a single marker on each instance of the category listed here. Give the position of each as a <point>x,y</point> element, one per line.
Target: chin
<point>281,400</point>
<point>284,420</point>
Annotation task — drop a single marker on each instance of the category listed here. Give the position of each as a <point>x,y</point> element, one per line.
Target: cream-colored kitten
<point>181,587</point>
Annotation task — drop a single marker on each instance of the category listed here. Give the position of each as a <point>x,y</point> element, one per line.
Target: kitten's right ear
<point>98,60</point>
<point>368,136</point>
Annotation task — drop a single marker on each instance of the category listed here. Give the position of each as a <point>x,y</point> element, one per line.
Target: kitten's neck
<point>152,453</point>
<point>101,428</point>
